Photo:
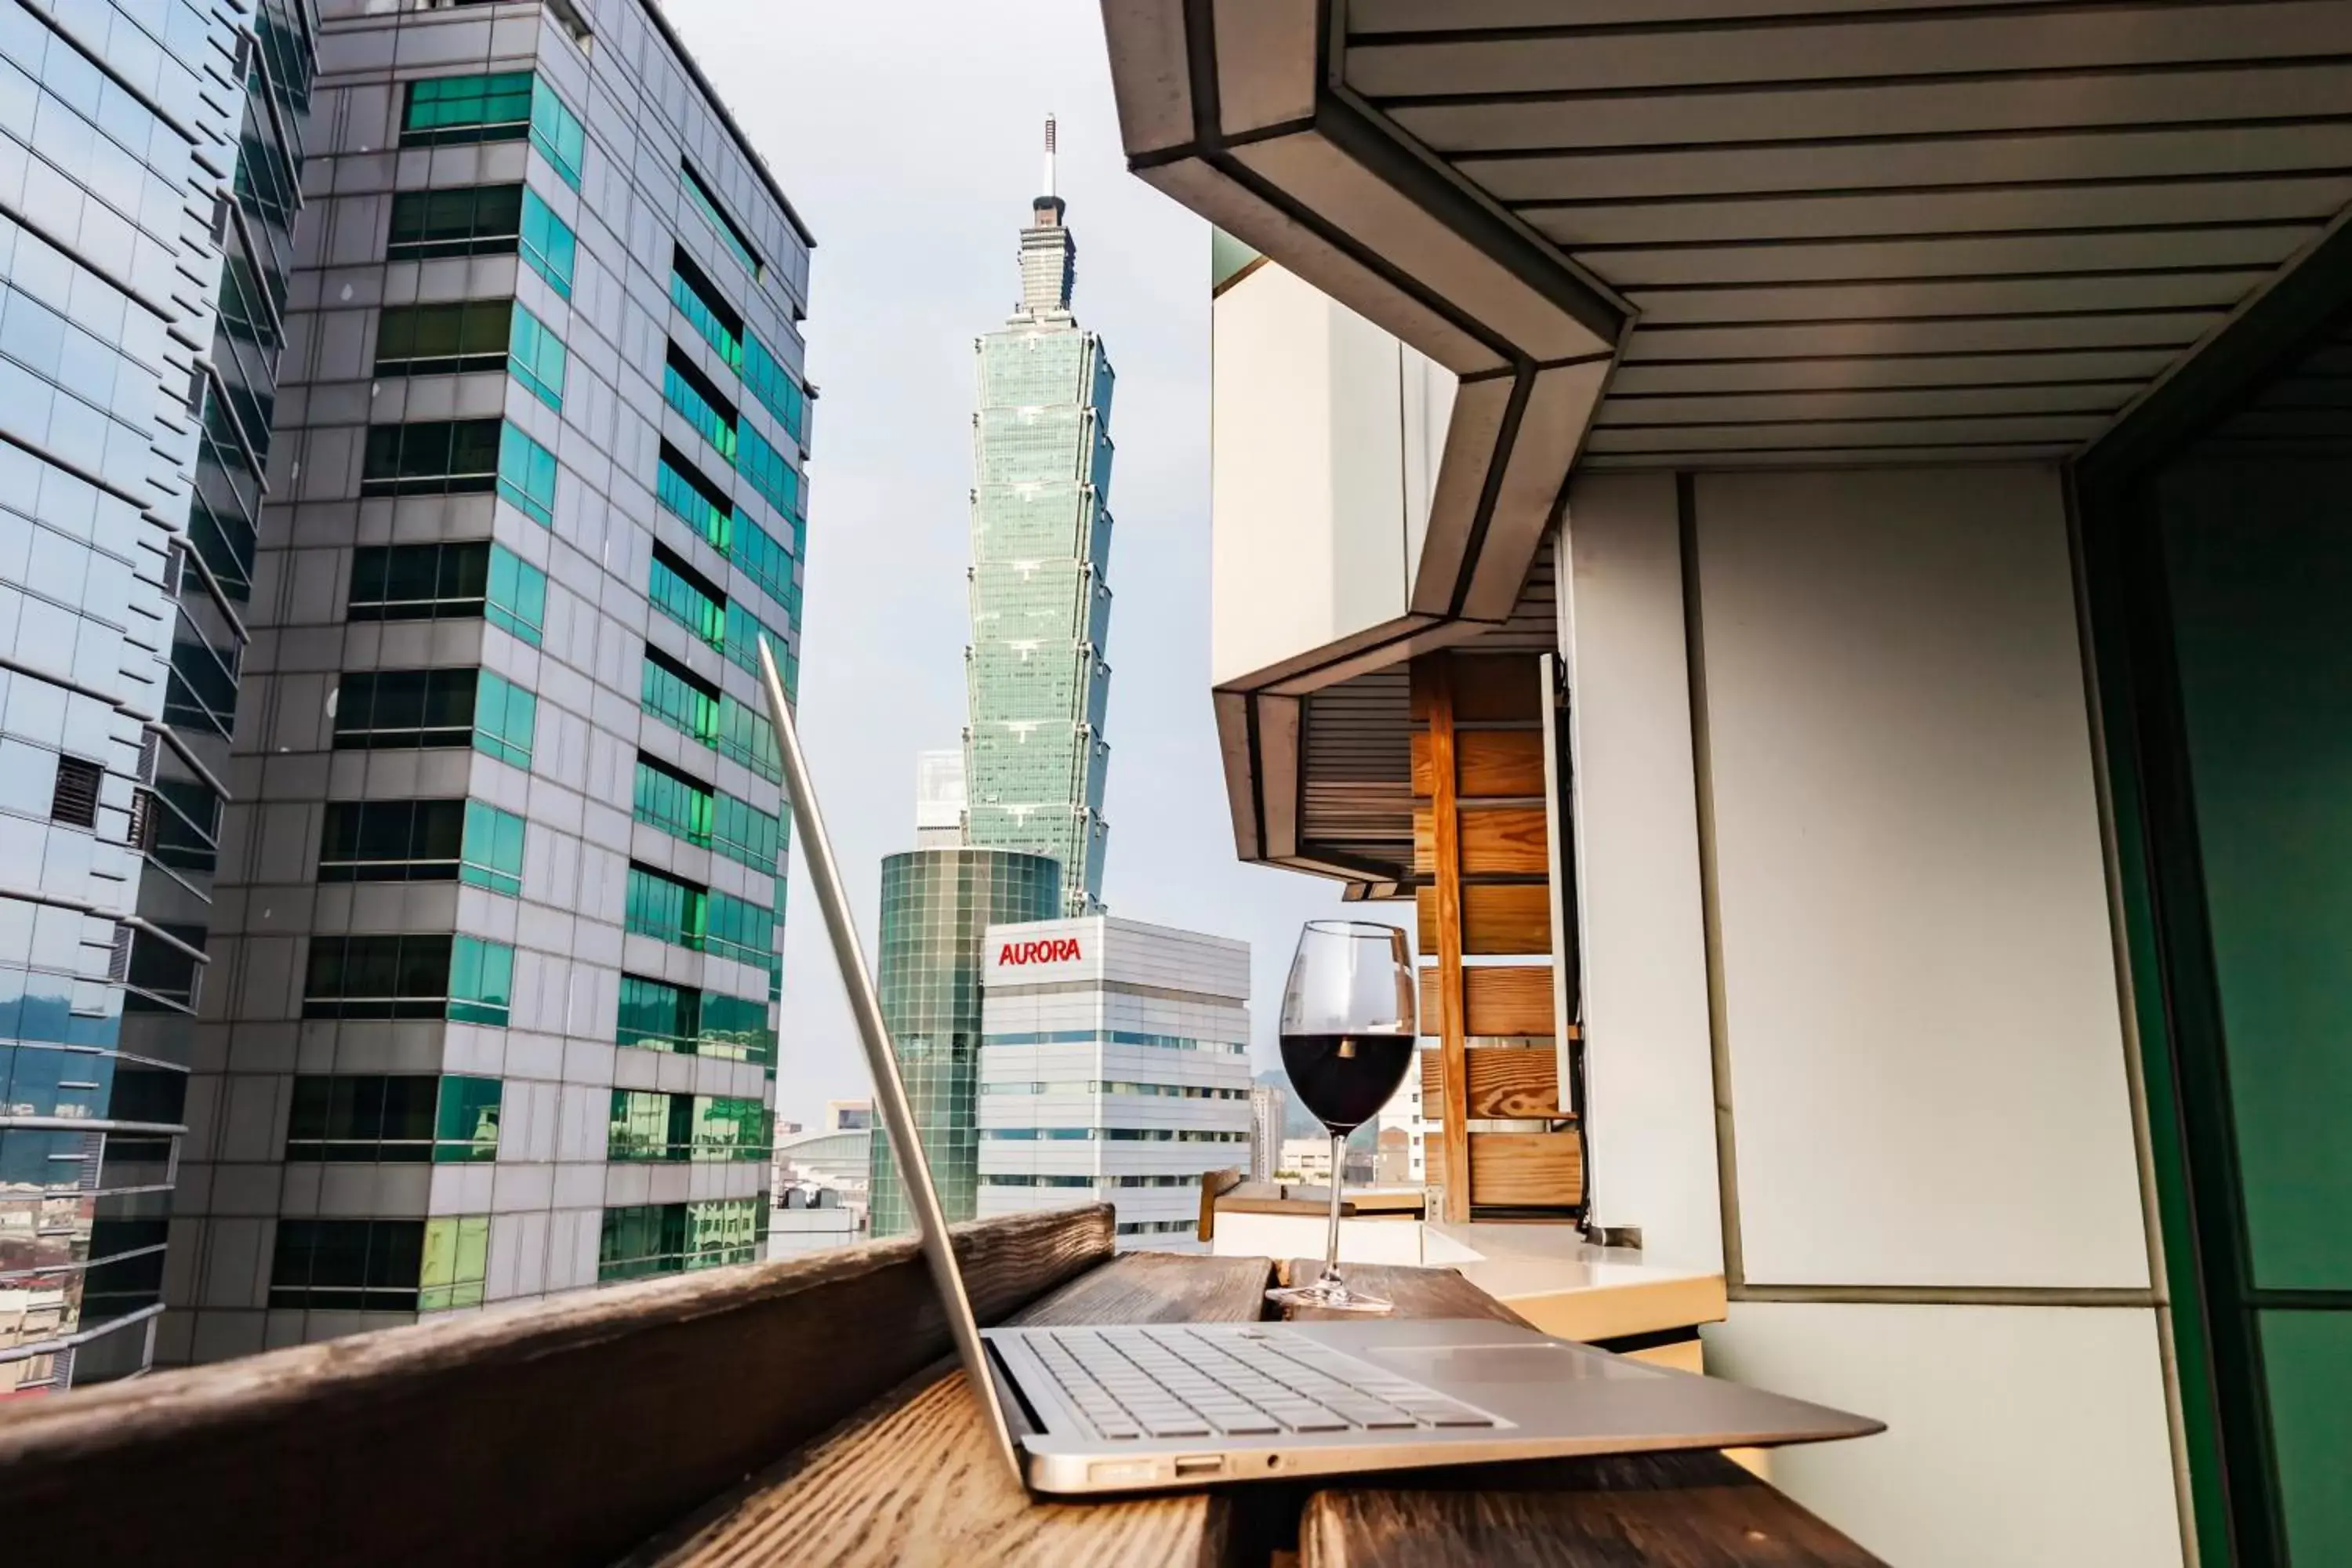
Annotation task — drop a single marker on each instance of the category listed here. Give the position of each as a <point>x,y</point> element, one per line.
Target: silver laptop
<point>1130,1407</point>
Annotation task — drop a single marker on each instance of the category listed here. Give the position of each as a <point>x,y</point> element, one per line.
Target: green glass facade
<point>936,905</point>
<point>1035,756</point>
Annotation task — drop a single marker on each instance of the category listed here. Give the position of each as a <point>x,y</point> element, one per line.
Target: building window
<point>739,641</point>
<point>527,475</point>
<point>769,473</point>
<point>746,736</point>
<point>679,698</point>
<point>504,718</point>
<point>469,220</point>
<point>773,385</point>
<point>440,457</point>
<point>659,905</point>
<point>646,1124</point>
<point>700,197</point>
<point>347,1264</point>
<point>463,979</point>
<point>698,401</point>
<point>548,245</point>
<point>745,834</point>
<point>705,508</point>
<point>687,597</point>
<point>766,563</point>
<point>656,1016</point>
<point>449,582</point>
<point>536,358</point>
<point>405,1118</point>
<point>405,710</point>
<point>667,1238</point>
<point>555,131</point>
<point>470,841</point>
<point>457,1262</point>
<point>674,802</point>
<point>442,340</point>
<point>701,303</point>
<point>495,107</point>
<point>742,930</point>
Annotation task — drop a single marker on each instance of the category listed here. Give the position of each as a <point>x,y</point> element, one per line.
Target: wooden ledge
<point>567,1430</point>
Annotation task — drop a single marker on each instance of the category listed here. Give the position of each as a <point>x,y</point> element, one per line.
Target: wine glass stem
<point>1331,1244</point>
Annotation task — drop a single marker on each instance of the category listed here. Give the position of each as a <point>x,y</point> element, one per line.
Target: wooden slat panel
<point>1506,839</point>
<point>1486,762</point>
<point>1507,1083</point>
<point>1497,920</point>
<point>634,1403</point>
<point>1498,1000</point>
<point>1495,689</point>
<point>1521,1170</point>
<point>916,1478</point>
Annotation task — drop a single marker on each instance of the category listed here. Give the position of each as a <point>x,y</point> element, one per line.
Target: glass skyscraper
<point>490,1011</point>
<point>1041,525</point>
<point>936,904</point>
<point>150,154</point>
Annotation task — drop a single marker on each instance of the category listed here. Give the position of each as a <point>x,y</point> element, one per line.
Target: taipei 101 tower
<point>1037,680</point>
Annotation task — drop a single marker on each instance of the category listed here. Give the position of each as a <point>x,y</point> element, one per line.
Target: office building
<point>1857,493</point>
<point>148,201</point>
<point>1269,1104</point>
<point>1114,1067</point>
<point>936,905</point>
<point>492,1015</point>
<point>1037,680</point>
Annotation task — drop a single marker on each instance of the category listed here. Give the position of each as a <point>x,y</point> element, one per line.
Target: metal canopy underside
<point>1728,232</point>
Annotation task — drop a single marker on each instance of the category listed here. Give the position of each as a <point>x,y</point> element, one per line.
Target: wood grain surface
<point>559,1432</point>
<point>1497,918</point>
<point>1507,1083</point>
<point>1512,1000</point>
<point>1487,763</point>
<point>1506,839</point>
<point>1442,924</point>
<point>1523,1170</point>
<point>1413,1292</point>
<point>915,1478</point>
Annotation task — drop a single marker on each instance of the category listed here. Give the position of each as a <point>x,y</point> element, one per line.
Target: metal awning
<point>1693,233</point>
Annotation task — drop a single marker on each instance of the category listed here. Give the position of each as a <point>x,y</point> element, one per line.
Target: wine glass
<point>1349,1033</point>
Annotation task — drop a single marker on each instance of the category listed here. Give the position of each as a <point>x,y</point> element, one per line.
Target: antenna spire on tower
<point>1049,155</point>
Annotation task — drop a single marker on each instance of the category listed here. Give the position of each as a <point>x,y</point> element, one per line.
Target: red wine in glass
<point>1346,1079</point>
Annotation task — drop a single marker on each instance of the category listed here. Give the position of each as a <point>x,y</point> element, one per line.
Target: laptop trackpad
<point>1454,1366</point>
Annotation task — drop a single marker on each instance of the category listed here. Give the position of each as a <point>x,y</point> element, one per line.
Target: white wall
<point>1927,1077</point>
<point>1922,1051</point>
<point>1648,1064</point>
<point>1323,439</point>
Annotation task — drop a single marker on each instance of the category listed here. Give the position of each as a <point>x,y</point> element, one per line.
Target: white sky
<point>908,135</point>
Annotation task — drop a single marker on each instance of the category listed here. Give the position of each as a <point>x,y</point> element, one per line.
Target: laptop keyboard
<point>1178,1382</point>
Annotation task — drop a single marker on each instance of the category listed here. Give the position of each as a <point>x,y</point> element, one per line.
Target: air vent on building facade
<point>75,800</point>
<point>147,746</point>
<point>118,965</point>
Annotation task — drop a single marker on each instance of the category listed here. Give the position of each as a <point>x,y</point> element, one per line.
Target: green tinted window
<point>681,699</point>
<point>700,197</point>
<point>456,1257</point>
<point>739,641</point>
<point>704,506</point>
<point>729,1129</point>
<point>555,132</point>
<point>547,244</point>
<point>517,602</point>
<point>645,1124</point>
<point>469,220</point>
<point>527,475</point>
<point>737,1028</point>
<point>493,849</point>
<point>741,930</point>
<point>773,385</point>
<point>504,718</point>
<point>660,906</point>
<point>642,1239</point>
<point>441,340</point>
<point>466,1125</point>
<point>701,404</point>
<point>701,303</point>
<point>481,981</point>
<point>671,800</point>
<point>766,563</point>
<point>769,473</point>
<point>746,736</point>
<point>658,1015</point>
<point>496,108</point>
<point>536,357</point>
<point>741,831</point>
<point>687,597</point>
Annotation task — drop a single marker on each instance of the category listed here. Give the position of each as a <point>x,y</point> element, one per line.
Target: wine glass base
<point>1329,1297</point>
